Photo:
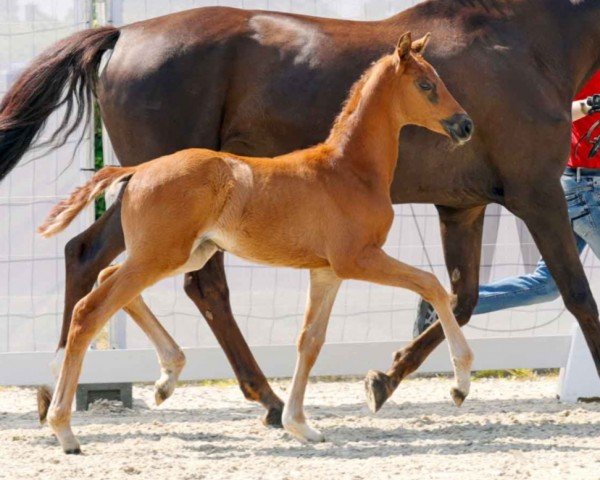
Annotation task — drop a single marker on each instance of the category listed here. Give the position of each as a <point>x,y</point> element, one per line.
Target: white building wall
<point>268,303</point>
<point>32,268</point>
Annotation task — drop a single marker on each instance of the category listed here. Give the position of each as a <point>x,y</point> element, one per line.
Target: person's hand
<point>594,103</point>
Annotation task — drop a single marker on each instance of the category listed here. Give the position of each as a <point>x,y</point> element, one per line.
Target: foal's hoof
<point>73,451</point>
<point>161,393</point>
<point>160,396</point>
<point>164,387</point>
<point>378,389</point>
<point>458,396</point>
<point>44,397</point>
<point>303,432</point>
<point>272,418</point>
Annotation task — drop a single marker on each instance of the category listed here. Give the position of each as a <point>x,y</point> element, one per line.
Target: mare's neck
<point>366,139</point>
<point>579,39</point>
<point>564,36</point>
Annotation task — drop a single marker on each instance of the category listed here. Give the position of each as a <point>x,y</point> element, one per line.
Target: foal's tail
<point>65,212</point>
<point>65,74</point>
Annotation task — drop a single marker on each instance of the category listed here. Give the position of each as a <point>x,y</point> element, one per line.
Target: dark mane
<point>478,12</point>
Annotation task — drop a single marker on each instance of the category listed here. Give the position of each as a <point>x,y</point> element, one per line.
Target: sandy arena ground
<point>513,429</point>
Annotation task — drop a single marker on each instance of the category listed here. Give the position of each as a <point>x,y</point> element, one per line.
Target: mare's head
<point>422,97</point>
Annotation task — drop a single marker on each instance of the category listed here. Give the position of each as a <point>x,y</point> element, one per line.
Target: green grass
<point>212,383</point>
<point>515,374</point>
<point>98,156</point>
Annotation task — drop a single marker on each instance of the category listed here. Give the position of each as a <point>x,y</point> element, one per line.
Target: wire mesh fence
<point>268,303</point>
<point>31,268</point>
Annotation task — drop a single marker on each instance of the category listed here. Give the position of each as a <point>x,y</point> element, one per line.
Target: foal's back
<point>284,210</point>
<point>273,211</point>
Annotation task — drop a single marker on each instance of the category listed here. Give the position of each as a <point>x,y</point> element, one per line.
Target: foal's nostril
<point>460,127</point>
<point>467,127</point>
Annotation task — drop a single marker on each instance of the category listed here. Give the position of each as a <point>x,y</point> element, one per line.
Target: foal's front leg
<point>374,265</point>
<point>324,285</point>
<point>461,237</point>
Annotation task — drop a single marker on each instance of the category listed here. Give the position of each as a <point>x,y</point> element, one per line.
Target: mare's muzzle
<point>460,127</point>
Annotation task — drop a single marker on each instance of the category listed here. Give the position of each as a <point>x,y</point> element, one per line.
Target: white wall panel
<point>32,268</point>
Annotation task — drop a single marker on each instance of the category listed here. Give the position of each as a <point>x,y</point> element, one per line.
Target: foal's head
<point>421,96</point>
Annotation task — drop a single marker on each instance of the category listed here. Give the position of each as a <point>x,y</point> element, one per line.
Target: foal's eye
<point>425,86</point>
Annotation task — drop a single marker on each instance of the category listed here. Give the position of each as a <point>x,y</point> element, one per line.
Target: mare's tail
<point>65,74</point>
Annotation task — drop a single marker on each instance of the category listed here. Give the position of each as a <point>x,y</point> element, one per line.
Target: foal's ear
<point>404,46</point>
<point>419,46</point>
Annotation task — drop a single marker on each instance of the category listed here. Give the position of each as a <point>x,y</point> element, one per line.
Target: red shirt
<point>580,147</point>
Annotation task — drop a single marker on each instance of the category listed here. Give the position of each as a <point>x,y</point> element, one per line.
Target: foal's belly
<point>269,251</point>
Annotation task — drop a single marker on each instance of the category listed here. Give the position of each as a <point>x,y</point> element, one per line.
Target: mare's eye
<point>425,86</point>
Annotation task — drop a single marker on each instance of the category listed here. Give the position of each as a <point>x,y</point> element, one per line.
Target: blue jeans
<point>582,193</point>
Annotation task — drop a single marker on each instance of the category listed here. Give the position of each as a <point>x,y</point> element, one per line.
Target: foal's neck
<point>365,135</point>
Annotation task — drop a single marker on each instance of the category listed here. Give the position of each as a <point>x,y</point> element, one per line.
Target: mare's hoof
<point>458,396</point>
<point>73,451</point>
<point>378,389</point>
<point>272,418</point>
<point>44,397</point>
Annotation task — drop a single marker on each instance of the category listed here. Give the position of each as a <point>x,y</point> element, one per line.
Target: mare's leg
<point>208,290</point>
<point>545,212</point>
<point>170,355</point>
<point>89,315</point>
<point>374,265</point>
<point>461,236</point>
<point>324,285</point>
<point>85,257</point>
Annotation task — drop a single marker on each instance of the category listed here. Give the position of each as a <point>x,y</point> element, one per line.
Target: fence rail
<point>109,366</point>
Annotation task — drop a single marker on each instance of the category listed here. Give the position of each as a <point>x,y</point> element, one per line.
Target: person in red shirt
<point>581,183</point>
<point>584,118</point>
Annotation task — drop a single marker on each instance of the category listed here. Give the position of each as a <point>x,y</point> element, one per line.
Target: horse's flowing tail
<point>65,212</point>
<point>65,74</point>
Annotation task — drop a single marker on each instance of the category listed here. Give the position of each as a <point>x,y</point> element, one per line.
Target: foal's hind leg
<point>324,285</point>
<point>85,257</point>
<point>374,265</point>
<point>170,355</point>
<point>89,315</point>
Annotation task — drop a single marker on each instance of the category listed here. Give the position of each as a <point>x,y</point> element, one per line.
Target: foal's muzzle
<point>460,127</point>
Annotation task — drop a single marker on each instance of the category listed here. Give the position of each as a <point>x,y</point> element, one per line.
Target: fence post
<point>579,379</point>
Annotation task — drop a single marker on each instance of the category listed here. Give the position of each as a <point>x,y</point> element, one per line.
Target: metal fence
<point>31,268</point>
<point>268,303</point>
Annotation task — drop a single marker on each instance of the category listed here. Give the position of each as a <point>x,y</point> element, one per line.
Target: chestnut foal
<point>326,208</point>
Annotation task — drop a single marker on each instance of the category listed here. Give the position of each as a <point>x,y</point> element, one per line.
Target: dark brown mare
<point>261,84</point>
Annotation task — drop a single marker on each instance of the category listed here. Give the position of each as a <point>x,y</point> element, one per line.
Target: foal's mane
<point>353,101</point>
